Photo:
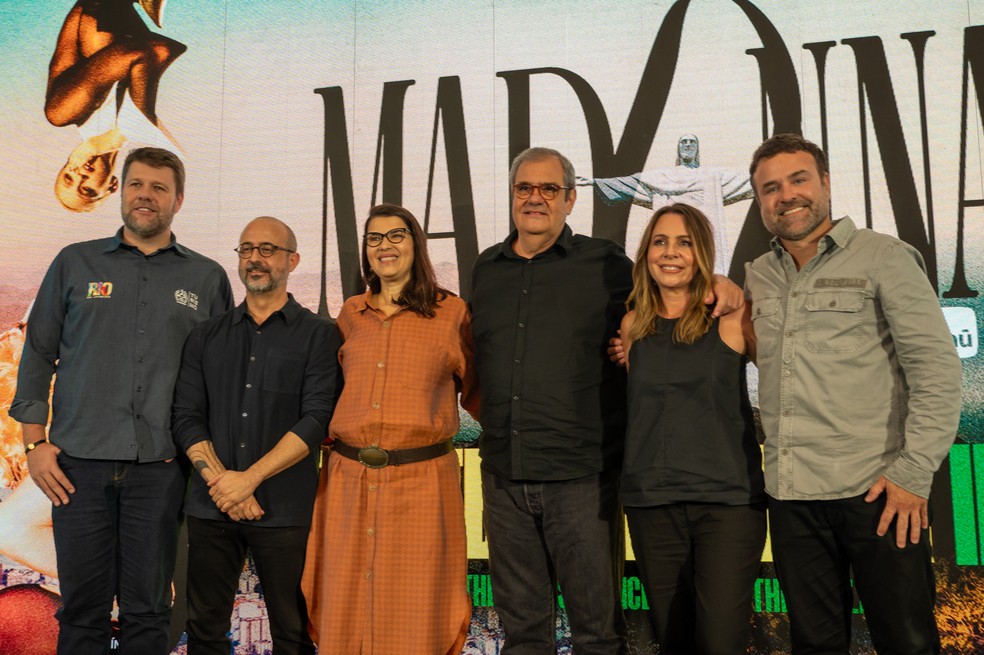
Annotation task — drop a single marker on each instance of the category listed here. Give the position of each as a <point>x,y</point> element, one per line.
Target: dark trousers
<point>216,554</point>
<point>818,543</point>
<point>698,564</point>
<point>116,537</point>
<point>542,534</point>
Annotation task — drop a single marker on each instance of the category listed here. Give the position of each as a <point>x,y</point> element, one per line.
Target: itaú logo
<point>963,328</point>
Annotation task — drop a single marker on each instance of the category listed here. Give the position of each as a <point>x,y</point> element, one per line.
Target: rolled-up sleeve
<point>189,413</point>
<point>321,387</point>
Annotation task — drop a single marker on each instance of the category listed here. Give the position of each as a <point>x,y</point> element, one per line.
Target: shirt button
<point>515,361</point>
<point>372,487</point>
<point>259,332</point>
<point>790,333</point>
<point>252,359</point>
<point>375,405</point>
<point>140,331</point>
<point>245,414</point>
<point>786,373</point>
<point>139,416</point>
<point>515,433</point>
<point>795,294</point>
<point>386,323</point>
<point>249,386</point>
<point>525,292</point>
<point>145,278</point>
<point>368,574</point>
<point>785,412</point>
<point>380,364</point>
<point>140,359</point>
<point>139,387</point>
<point>522,325</point>
<point>143,303</point>
<point>242,445</point>
<point>370,532</point>
<point>515,397</point>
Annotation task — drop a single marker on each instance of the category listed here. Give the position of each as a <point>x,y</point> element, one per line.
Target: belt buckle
<point>373,457</point>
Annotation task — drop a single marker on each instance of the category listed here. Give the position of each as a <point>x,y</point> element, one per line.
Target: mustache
<point>257,266</point>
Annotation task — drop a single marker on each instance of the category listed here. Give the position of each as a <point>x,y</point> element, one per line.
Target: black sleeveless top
<point>691,435</point>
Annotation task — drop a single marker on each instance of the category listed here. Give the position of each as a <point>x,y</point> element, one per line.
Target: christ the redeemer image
<point>707,188</point>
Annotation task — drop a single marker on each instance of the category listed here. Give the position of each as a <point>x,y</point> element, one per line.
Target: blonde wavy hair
<point>646,299</point>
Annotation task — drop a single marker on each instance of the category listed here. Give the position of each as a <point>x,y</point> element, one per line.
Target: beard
<point>148,229</point>
<point>815,214</point>
<point>259,286</point>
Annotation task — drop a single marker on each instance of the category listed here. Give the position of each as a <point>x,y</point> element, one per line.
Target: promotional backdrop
<point>314,110</point>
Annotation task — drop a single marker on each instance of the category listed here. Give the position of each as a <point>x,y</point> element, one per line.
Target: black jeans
<point>698,563</point>
<point>216,554</point>
<point>117,537</point>
<point>544,533</point>
<point>818,543</point>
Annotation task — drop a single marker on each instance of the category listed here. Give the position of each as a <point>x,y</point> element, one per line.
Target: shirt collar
<point>839,235</point>
<point>289,312</point>
<point>117,242</point>
<point>562,244</point>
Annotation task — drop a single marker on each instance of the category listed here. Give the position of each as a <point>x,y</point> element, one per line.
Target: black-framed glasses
<point>548,191</point>
<point>245,250</point>
<point>396,235</point>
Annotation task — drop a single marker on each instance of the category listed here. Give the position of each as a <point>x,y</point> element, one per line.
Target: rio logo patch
<point>100,290</point>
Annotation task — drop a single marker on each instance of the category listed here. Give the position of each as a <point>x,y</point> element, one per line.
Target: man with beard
<point>860,396</point>
<point>112,316</point>
<point>256,390</point>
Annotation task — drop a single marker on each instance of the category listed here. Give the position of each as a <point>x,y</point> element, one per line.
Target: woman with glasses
<point>386,560</point>
<point>692,483</point>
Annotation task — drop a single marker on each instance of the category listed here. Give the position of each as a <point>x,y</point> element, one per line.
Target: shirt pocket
<point>833,321</point>
<point>765,319</point>
<point>284,372</point>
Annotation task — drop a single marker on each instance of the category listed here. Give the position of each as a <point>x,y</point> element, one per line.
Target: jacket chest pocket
<point>765,319</point>
<point>834,321</point>
<point>284,371</point>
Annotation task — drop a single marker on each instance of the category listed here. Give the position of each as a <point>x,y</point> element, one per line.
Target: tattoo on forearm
<point>205,460</point>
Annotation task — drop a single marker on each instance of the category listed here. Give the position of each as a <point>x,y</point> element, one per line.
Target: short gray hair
<point>539,154</point>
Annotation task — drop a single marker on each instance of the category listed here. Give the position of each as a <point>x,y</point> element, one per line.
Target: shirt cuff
<point>910,477</point>
<point>29,411</point>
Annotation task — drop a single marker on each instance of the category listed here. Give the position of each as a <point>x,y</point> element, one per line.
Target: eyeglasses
<point>396,235</point>
<point>266,250</point>
<point>548,191</point>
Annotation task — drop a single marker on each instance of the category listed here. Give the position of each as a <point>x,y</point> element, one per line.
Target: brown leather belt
<point>375,457</point>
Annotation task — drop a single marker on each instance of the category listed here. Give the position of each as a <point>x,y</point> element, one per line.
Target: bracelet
<point>31,446</point>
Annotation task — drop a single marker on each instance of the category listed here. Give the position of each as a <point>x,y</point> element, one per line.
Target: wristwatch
<point>31,446</point>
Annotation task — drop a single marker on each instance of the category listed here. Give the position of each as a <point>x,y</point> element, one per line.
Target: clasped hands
<point>232,493</point>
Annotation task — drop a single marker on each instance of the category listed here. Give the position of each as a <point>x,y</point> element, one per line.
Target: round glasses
<point>548,191</point>
<point>266,250</point>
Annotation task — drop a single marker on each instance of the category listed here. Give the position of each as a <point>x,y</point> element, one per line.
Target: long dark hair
<point>421,294</point>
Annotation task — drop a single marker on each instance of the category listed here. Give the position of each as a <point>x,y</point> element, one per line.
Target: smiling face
<point>670,256</point>
<point>150,200</point>
<point>391,262</point>
<point>265,274</point>
<point>534,216</point>
<point>84,187</point>
<point>793,197</point>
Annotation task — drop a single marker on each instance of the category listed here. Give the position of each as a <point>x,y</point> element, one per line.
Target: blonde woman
<point>692,481</point>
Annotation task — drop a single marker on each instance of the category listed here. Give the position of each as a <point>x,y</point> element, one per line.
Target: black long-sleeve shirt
<point>111,321</point>
<point>553,405</point>
<point>244,386</point>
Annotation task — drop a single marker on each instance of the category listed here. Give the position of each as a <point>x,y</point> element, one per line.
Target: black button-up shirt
<point>112,321</point>
<point>553,405</point>
<point>244,386</point>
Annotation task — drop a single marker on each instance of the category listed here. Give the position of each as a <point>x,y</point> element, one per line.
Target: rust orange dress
<point>386,564</point>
